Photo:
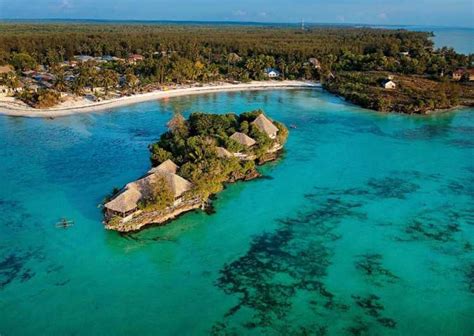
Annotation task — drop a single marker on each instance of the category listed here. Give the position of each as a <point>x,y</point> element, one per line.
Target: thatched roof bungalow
<point>243,139</point>
<point>266,126</point>
<point>223,153</point>
<point>127,201</point>
<point>177,184</point>
<point>168,166</point>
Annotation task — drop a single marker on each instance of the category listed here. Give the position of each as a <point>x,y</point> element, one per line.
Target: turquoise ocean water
<point>365,226</point>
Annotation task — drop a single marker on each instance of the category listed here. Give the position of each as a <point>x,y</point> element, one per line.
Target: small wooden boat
<point>293,126</point>
<point>64,223</point>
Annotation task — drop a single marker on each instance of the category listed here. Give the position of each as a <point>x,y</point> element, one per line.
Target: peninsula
<point>192,161</point>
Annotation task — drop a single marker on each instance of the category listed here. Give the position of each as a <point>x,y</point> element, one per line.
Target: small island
<point>191,162</point>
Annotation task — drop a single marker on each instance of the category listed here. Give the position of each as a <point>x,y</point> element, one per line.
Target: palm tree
<point>283,68</point>
<point>131,81</point>
<point>78,86</point>
<point>60,79</point>
<point>109,79</point>
<point>10,81</point>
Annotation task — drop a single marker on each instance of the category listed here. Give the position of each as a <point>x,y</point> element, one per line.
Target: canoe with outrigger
<point>64,223</point>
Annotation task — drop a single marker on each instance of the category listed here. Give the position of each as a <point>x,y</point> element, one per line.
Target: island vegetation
<point>409,93</point>
<point>191,162</point>
<point>45,64</point>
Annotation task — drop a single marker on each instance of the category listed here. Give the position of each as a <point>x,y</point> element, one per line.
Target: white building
<point>389,85</point>
<point>272,73</point>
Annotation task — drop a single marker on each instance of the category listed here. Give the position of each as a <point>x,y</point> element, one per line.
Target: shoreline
<point>15,108</point>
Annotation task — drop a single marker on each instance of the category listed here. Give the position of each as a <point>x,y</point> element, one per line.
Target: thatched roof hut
<point>223,153</point>
<point>266,126</point>
<point>243,139</point>
<point>177,184</point>
<point>127,201</point>
<point>168,166</point>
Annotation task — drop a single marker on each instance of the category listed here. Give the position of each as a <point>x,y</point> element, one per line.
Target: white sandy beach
<point>14,107</point>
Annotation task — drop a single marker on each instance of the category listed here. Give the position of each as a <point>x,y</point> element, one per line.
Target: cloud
<point>382,16</point>
<point>239,12</point>
<point>64,5</point>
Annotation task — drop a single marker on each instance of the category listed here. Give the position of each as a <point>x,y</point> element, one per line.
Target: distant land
<point>48,64</point>
<point>459,38</point>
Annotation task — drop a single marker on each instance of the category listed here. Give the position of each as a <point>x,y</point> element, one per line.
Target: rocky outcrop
<point>250,175</point>
<point>142,218</point>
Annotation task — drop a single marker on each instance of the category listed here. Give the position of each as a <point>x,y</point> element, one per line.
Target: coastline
<point>15,108</point>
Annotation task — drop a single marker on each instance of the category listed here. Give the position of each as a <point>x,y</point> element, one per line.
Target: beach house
<point>127,201</point>
<point>272,73</point>
<point>266,126</point>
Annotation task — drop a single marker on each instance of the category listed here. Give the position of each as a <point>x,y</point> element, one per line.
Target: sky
<point>450,13</point>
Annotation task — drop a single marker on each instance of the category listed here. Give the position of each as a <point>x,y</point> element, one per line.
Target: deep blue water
<point>365,226</point>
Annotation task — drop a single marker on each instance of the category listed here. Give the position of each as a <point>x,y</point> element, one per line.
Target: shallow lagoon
<point>365,226</point>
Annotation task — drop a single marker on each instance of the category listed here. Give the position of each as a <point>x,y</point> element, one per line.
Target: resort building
<point>266,126</point>
<point>127,202</point>
<point>389,85</point>
<point>168,167</point>
<point>243,139</point>
<point>135,58</point>
<point>223,153</point>
<point>272,73</point>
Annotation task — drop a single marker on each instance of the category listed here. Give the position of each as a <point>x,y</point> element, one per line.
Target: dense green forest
<point>204,53</point>
<point>338,48</point>
<point>192,144</point>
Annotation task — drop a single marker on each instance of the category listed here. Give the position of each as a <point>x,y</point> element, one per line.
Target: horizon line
<point>231,22</point>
